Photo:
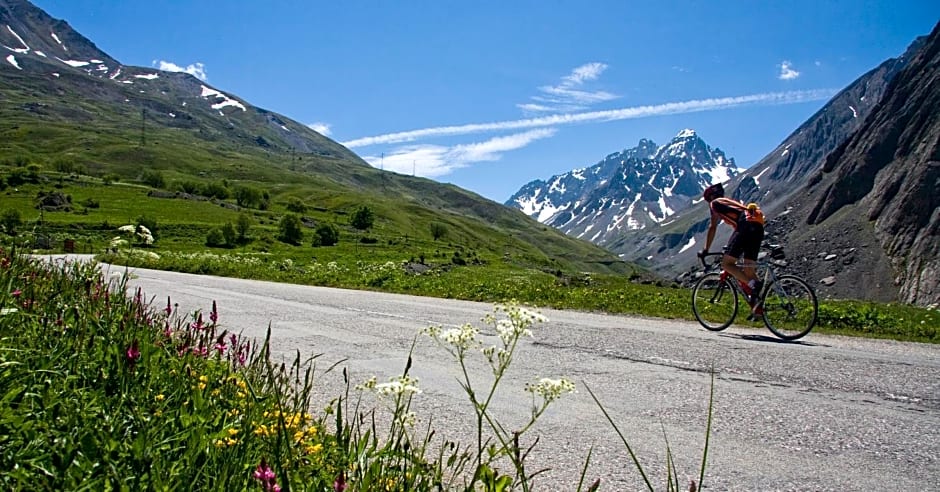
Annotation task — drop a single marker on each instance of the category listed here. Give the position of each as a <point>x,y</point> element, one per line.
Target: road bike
<point>787,304</point>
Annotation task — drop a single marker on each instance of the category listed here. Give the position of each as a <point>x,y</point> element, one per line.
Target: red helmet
<point>714,191</point>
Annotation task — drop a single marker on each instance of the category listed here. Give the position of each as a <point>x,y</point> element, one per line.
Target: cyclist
<point>748,224</point>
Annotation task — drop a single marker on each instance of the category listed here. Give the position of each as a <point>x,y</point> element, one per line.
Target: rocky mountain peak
<point>627,190</point>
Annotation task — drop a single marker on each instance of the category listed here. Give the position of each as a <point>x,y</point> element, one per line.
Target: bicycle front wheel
<point>714,302</point>
<point>790,308</point>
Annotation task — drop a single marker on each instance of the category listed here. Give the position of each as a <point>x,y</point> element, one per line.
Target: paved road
<point>832,413</point>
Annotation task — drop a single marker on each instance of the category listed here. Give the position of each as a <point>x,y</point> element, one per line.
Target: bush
<point>154,179</point>
<point>110,178</point>
<point>216,190</point>
<point>247,196</point>
<point>228,234</point>
<point>190,187</point>
<point>363,218</point>
<point>242,226</point>
<point>16,177</point>
<point>438,230</point>
<point>291,229</point>
<point>11,221</point>
<point>215,238</point>
<point>325,235</point>
<point>296,205</point>
<point>368,240</point>
<point>91,203</point>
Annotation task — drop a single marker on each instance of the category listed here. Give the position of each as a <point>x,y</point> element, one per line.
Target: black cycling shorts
<point>745,240</point>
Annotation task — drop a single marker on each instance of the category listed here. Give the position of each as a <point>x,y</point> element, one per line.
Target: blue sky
<point>490,95</point>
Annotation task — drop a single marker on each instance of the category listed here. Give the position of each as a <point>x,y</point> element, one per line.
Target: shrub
<point>91,203</point>
<point>228,234</point>
<point>16,177</point>
<point>242,226</point>
<point>368,240</point>
<point>438,230</point>
<point>215,238</point>
<point>11,221</point>
<point>325,235</point>
<point>363,218</point>
<point>32,173</point>
<point>296,205</point>
<point>247,196</point>
<point>110,178</point>
<point>154,179</point>
<point>291,229</point>
<point>190,187</point>
<point>216,190</point>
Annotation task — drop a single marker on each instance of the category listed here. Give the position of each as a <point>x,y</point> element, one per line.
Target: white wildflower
<point>551,389</point>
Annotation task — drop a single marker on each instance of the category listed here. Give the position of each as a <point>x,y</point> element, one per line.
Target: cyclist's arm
<point>710,235</point>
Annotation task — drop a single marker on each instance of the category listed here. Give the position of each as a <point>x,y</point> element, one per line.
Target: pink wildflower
<point>339,485</point>
<point>16,293</point>
<point>168,309</point>
<point>265,475</point>
<point>133,353</point>
<point>214,315</point>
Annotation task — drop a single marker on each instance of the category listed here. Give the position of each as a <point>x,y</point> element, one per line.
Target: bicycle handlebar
<point>704,254</point>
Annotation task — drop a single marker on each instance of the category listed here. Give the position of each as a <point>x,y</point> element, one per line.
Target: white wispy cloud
<point>197,69</point>
<point>681,107</point>
<point>786,71</point>
<point>321,128</point>
<point>568,95</point>
<point>438,160</point>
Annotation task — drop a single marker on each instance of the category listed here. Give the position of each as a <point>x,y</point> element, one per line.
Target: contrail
<point>789,97</point>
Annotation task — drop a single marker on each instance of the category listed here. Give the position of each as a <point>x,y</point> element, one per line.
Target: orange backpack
<point>753,213</point>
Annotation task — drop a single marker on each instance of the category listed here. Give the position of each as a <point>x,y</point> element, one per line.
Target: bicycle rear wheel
<point>714,302</point>
<point>790,308</point>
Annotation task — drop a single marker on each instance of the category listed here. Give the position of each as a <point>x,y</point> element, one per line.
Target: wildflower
<point>398,386</point>
<point>159,397</point>
<point>266,476</point>
<point>339,485</point>
<point>168,309</point>
<point>133,353</point>
<point>313,449</point>
<point>197,325</point>
<point>16,293</point>
<point>214,314</point>
<point>551,389</point>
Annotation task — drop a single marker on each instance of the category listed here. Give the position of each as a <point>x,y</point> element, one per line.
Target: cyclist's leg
<point>734,250</point>
<point>751,237</point>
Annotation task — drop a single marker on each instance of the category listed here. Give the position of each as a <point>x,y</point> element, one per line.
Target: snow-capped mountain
<point>628,190</point>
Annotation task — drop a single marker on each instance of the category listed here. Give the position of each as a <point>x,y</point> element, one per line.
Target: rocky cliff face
<point>889,170</point>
